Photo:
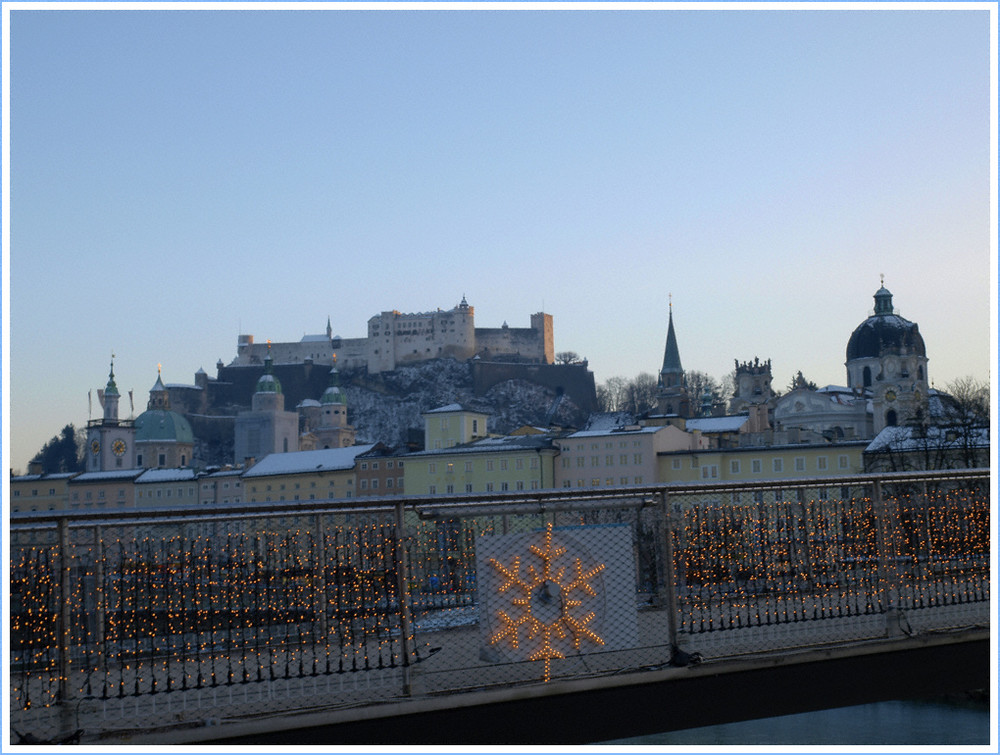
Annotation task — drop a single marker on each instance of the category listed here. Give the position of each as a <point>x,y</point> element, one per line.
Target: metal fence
<point>123,622</point>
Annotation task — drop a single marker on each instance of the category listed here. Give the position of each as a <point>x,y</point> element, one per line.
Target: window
<point>777,465</point>
<point>676,464</point>
<point>595,461</point>
<point>489,487</point>
<point>489,465</point>
<point>432,468</point>
<point>734,466</point>
<point>609,460</point>
<point>432,489</point>
<point>579,461</point>
<point>374,465</point>
<point>800,464</point>
<point>842,461</point>
<point>450,489</point>
<point>637,458</point>
<point>450,469</point>
<point>823,494</point>
<point>638,480</point>
<point>504,486</point>
<point>694,462</point>
<point>623,459</point>
<point>375,483</point>
<point>518,463</point>
<point>534,462</point>
<point>821,462</point>
<point>595,481</point>
<point>388,482</point>
<point>364,466</point>
<point>468,487</point>
<point>755,466</point>
<point>468,466</point>
<point>520,484</point>
<point>388,464</point>
<point>503,465</point>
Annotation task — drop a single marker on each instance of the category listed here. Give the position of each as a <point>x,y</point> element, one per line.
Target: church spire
<point>671,373</point>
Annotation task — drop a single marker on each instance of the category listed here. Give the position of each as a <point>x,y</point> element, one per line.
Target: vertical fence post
<point>65,628</point>
<point>321,575</point>
<point>99,595</point>
<point>884,542</point>
<point>669,574</point>
<point>402,569</point>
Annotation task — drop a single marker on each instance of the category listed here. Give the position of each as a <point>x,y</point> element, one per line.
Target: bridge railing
<point>130,621</point>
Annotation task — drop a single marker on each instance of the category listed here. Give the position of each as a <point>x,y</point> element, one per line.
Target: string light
<point>231,603</point>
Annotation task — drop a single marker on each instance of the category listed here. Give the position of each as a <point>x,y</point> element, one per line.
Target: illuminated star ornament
<point>544,603</point>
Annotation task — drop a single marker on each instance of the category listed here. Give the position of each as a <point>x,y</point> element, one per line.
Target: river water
<point>898,722</point>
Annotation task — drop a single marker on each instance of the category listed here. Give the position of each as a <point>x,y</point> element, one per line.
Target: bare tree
<point>640,394</point>
<point>611,394</point>
<point>567,357</point>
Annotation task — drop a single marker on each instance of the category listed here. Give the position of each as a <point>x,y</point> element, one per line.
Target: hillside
<point>386,407</point>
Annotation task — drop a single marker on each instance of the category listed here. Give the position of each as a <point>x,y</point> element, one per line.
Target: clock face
<point>890,395</point>
<point>118,447</point>
<point>95,447</point>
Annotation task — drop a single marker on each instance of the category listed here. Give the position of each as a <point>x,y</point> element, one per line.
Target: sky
<point>179,177</point>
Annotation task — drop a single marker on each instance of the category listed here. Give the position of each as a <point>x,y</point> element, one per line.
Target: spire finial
<point>881,277</point>
<point>670,301</point>
<point>159,368</point>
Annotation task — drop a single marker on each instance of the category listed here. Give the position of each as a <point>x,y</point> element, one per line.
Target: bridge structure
<point>550,616</point>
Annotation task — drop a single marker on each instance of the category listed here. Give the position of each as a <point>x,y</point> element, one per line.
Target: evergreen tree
<point>62,453</point>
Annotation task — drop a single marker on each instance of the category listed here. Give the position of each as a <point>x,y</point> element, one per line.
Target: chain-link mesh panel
<point>121,627</point>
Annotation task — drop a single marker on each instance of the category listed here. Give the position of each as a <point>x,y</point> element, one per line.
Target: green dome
<point>159,425</point>
<point>333,394</point>
<point>268,383</point>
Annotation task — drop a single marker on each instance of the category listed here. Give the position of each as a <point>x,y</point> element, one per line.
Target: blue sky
<point>179,177</point>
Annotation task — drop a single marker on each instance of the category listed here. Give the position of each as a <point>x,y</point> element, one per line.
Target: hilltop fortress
<point>395,339</point>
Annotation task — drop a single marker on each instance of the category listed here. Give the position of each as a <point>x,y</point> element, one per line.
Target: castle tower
<point>672,397</point>
<point>109,439</point>
<point>887,361</point>
<point>752,385</point>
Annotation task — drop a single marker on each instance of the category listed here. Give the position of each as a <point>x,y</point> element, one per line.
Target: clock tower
<point>110,439</point>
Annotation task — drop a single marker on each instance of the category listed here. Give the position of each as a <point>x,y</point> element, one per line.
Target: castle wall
<point>573,380</point>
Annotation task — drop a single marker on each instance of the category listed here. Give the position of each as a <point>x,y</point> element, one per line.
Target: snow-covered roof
<point>309,402</point>
<point>902,438</point>
<point>299,462</point>
<point>448,408</point>
<point>608,421</point>
<point>165,475</point>
<point>492,445</point>
<point>113,474</point>
<point>315,338</point>
<point>223,473</point>
<point>184,385</point>
<point>717,424</point>
<point>623,431</point>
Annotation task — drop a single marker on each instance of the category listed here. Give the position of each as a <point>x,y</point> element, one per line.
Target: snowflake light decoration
<point>543,604</point>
